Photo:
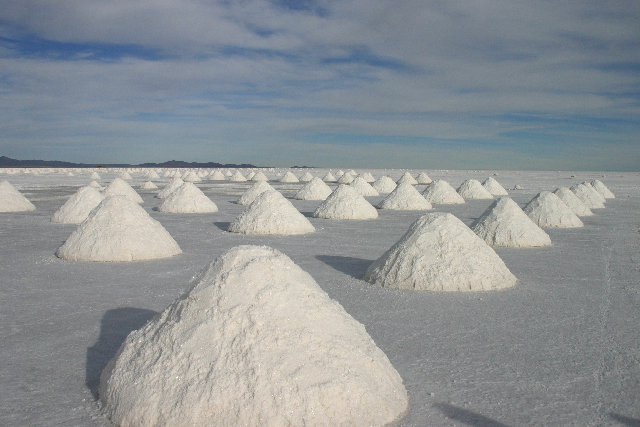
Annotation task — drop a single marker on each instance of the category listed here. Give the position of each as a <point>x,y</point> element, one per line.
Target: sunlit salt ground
<point>561,348</point>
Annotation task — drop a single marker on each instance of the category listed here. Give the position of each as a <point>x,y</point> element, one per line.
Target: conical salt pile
<point>547,210</point>
<point>329,177</point>
<point>339,173</point>
<point>440,192</point>
<point>271,213</point>
<point>571,200</point>
<point>289,177</point>
<point>118,229</point>
<point>228,173</point>
<point>250,175</point>
<point>94,175</point>
<point>407,178</point>
<point>170,188</point>
<point>345,203</point>
<point>602,189</point>
<point>187,199</point>
<point>95,185</point>
<point>125,175</point>
<point>237,177</point>
<point>472,189</point>
<point>78,207</point>
<point>505,224</point>
<point>253,342</point>
<point>118,187</point>
<point>254,191</point>
<point>363,187</point>
<point>345,178</point>
<point>148,185</point>
<point>11,200</point>
<point>306,177</point>
<point>384,185</point>
<point>589,196</point>
<point>494,187</point>
<point>152,175</point>
<point>440,253</point>
<point>423,178</point>
<point>368,177</point>
<point>191,177</point>
<point>405,197</point>
<point>70,174</point>
<point>217,176</point>
<point>259,176</point>
<point>315,189</point>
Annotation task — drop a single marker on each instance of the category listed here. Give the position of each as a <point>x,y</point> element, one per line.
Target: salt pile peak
<point>423,178</point>
<point>237,177</point>
<point>170,188</point>
<point>368,177</point>
<point>259,176</point>
<point>118,229</point>
<point>494,187</point>
<point>328,177</point>
<point>472,189</point>
<point>77,208</point>
<point>602,189</point>
<point>289,177</point>
<point>315,189</point>
<point>148,185</point>
<point>271,213</point>
<point>11,200</point>
<point>407,178</point>
<point>440,192</point>
<point>306,177</point>
<point>384,185</point>
<point>217,176</point>
<point>345,178</point>
<point>94,175</point>
<point>152,175</point>
<point>187,199</point>
<point>440,253</point>
<point>405,197</point>
<point>547,210</point>
<point>571,200</point>
<point>254,342</point>
<point>345,203</point>
<point>363,187</point>
<point>125,175</point>
<point>191,177</point>
<point>589,196</point>
<point>254,191</point>
<point>505,224</point>
<point>118,187</point>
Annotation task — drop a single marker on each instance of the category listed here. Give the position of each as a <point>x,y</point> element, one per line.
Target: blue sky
<point>485,84</point>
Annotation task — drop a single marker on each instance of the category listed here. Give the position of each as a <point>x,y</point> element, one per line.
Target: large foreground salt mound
<point>315,189</point>
<point>472,189</point>
<point>11,200</point>
<point>602,189</point>
<point>271,213</point>
<point>547,210</point>
<point>254,342</point>
<point>118,229</point>
<point>345,203</point>
<point>571,200</point>
<point>494,187</point>
<point>505,224</point>
<point>119,187</point>
<point>440,192</point>
<point>440,253</point>
<point>589,196</point>
<point>78,207</point>
<point>187,199</point>
<point>405,197</point>
<point>254,191</point>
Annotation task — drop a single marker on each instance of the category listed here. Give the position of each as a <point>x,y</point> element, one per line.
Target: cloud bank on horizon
<point>529,84</point>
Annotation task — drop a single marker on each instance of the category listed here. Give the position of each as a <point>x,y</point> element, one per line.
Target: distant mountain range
<point>6,162</point>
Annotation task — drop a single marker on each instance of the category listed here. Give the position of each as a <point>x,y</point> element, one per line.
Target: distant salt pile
<point>253,342</point>
<point>345,203</point>
<point>315,189</point>
<point>11,200</point>
<point>518,187</point>
<point>77,208</point>
<point>363,187</point>
<point>191,177</point>
<point>505,224</point>
<point>289,177</point>
<point>571,200</point>
<point>306,177</point>
<point>70,174</point>
<point>423,178</point>
<point>368,177</point>
<point>217,176</point>
<point>118,229</point>
<point>228,173</point>
<point>602,189</point>
<point>339,173</point>
<point>259,176</point>
<point>440,253</point>
<point>152,175</point>
<point>328,177</point>
<point>547,210</point>
<point>250,175</point>
<point>494,187</point>
<point>187,199</point>
<point>346,178</point>
<point>148,185</point>
<point>94,175</point>
<point>271,213</point>
<point>384,185</point>
<point>589,196</point>
<point>254,191</point>
<point>95,185</point>
<point>118,187</point>
<point>237,177</point>
<point>440,192</point>
<point>407,178</point>
<point>125,175</point>
<point>472,189</point>
<point>405,197</point>
<point>170,188</point>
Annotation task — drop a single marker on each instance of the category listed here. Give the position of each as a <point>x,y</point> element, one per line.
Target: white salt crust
<point>345,203</point>
<point>170,188</point>
<point>254,191</point>
<point>11,200</point>
<point>505,224</point>
<point>118,229</point>
<point>363,187</point>
<point>254,342</point>
<point>589,196</point>
<point>472,189</point>
<point>384,185</point>
<point>77,208</point>
<point>405,197</point>
<point>118,187</point>
<point>494,187</point>
<point>547,210</point>
<point>602,189</point>
<point>571,200</point>
<point>440,192</point>
<point>315,189</point>
<point>440,253</point>
<point>187,199</point>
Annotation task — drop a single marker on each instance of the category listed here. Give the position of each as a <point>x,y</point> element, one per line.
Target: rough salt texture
<point>306,177</point>
<point>187,199</point>
<point>254,342</point>
<point>407,178</point>
<point>384,185</point>
<point>315,189</point>
<point>440,253</point>
<point>345,178</point>
<point>148,185</point>
<point>571,200</point>
<point>494,187</point>
<point>170,188</point>
<point>589,196</point>
<point>77,208</point>
<point>271,213</point>
<point>237,177</point>
<point>440,192</point>
<point>254,191</point>
<point>217,176</point>
<point>472,189</point>
<point>289,177</point>
<point>505,224</point>
<point>11,200</point>
<point>363,187</point>
<point>405,197</point>
<point>329,177</point>
<point>118,229</point>
<point>547,210</point>
<point>118,187</point>
<point>368,177</point>
<point>602,189</point>
<point>423,178</point>
<point>345,203</point>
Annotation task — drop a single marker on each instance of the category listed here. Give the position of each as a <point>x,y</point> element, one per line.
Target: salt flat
<point>560,348</point>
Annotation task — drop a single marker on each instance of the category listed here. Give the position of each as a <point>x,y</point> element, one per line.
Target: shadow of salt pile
<point>354,267</point>
<point>467,417</point>
<point>115,325</point>
<point>628,421</point>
